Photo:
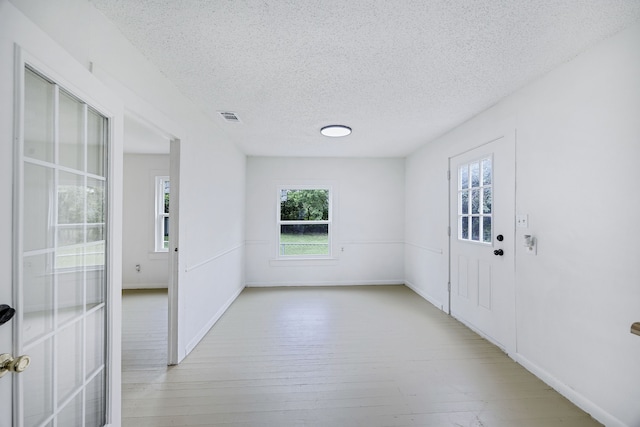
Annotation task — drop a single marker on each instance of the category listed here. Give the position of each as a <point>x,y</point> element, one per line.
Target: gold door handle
<point>10,364</point>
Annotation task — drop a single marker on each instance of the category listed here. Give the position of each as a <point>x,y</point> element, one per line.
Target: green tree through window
<point>304,222</point>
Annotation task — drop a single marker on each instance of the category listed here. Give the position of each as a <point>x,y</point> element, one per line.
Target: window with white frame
<point>162,213</point>
<point>304,222</point>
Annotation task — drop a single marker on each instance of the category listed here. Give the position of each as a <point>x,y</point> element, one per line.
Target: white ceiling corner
<point>399,72</point>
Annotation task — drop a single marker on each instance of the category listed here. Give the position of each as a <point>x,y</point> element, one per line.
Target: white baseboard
<point>202,332</point>
<point>576,398</point>
<point>145,285</point>
<point>332,283</point>
<point>438,304</point>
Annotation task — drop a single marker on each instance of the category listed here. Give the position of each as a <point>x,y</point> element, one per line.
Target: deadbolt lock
<point>10,364</point>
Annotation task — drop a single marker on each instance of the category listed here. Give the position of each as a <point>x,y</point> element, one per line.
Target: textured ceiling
<point>399,72</point>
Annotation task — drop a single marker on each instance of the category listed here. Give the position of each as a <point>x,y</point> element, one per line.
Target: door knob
<point>498,252</point>
<point>10,364</point>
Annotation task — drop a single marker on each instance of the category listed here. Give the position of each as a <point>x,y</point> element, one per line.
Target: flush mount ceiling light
<point>335,131</point>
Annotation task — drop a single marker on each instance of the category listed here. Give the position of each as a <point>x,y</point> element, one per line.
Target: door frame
<point>53,62</point>
<point>174,254</point>
<point>149,117</point>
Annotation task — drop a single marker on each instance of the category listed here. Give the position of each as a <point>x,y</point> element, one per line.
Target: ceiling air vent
<point>229,116</point>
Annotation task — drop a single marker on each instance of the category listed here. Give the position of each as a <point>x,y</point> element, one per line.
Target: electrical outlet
<point>522,221</point>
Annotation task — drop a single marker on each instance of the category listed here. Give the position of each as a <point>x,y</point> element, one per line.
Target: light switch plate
<point>522,221</point>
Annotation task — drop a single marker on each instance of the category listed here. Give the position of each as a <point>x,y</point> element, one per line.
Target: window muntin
<point>162,213</point>
<point>475,200</point>
<point>304,222</point>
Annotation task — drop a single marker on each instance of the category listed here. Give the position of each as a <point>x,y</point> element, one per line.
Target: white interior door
<point>60,258</point>
<point>482,218</point>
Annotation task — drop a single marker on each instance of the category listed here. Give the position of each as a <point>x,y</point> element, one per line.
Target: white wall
<point>138,224</point>
<point>212,169</point>
<point>368,211</point>
<point>578,148</point>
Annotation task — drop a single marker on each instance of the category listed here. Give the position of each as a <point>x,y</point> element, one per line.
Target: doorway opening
<point>150,206</point>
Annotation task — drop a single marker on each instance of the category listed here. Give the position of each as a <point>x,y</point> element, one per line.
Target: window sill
<point>295,262</point>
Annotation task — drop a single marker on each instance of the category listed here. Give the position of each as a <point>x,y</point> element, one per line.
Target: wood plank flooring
<point>329,356</point>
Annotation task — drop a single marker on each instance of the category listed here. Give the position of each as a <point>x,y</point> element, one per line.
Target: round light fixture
<point>335,131</point>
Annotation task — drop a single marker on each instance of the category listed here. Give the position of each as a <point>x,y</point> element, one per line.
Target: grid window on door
<point>475,200</point>
<point>62,269</point>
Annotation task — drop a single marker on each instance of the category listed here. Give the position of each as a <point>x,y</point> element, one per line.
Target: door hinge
<point>449,286</point>
<point>449,175</point>
<point>449,231</point>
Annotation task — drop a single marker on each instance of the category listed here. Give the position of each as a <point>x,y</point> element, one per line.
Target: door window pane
<point>464,227</point>
<point>96,137</point>
<point>475,174</point>
<point>475,228</point>
<point>38,117</point>
<point>38,384</point>
<point>71,209</point>
<point>95,406</point>
<point>71,133</point>
<point>38,296</point>
<point>95,201</point>
<point>95,341</point>
<point>486,200</point>
<point>71,413</point>
<point>464,202</point>
<point>70,292</point>
<point>464,177</point>
<point>96,282</point>
<point>487,172</point>
<point>486,229</point>
<point>38,207</point>
<point>475,201</point>
<point>69,360</point>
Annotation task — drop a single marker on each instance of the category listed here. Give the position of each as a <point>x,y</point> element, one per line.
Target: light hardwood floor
<point>329,356</point>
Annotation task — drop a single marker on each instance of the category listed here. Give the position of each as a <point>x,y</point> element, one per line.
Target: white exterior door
<point>482,218</point>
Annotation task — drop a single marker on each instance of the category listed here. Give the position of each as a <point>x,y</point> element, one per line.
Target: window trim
<point>280,222</point>
<point>159,213</point>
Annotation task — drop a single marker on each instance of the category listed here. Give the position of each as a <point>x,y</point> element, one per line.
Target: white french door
<point>60,258</point>
<point>482,218</point>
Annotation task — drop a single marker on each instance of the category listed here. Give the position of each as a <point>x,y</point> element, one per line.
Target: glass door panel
<point>63,280</point>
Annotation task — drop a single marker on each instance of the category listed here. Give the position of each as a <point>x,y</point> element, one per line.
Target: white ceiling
<point>399,72</point>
